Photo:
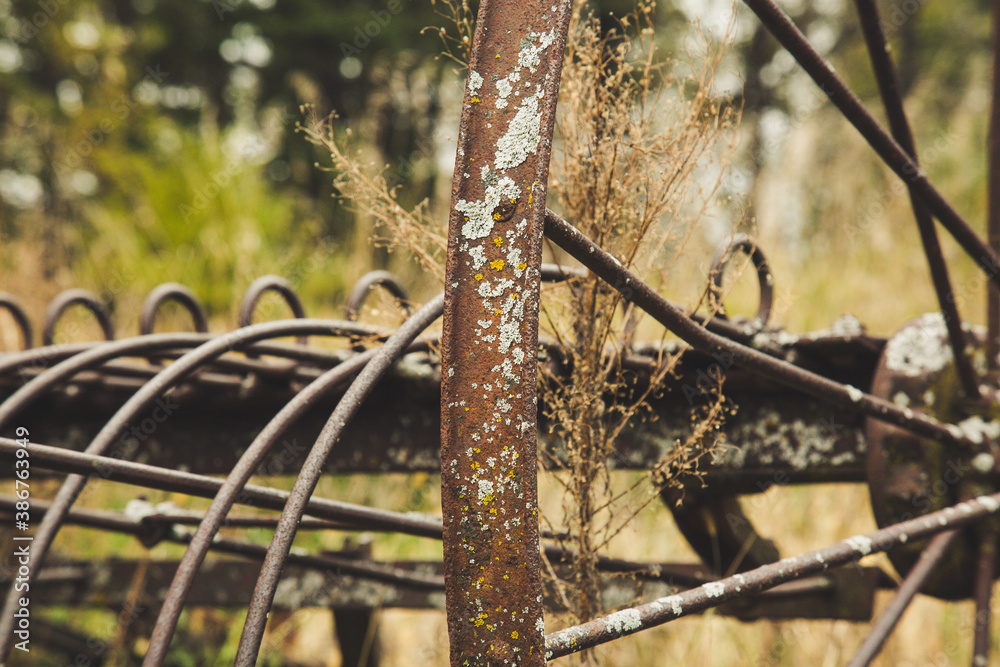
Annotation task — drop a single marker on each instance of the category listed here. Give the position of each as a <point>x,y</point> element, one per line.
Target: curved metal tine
<point>259,288</point>
<point>41,357</point>
<point>179,294</point>
<point>844,396</point>
<point>253,629</point>
<point>778,23</point>
<point>765,279</point>
<point>366,284</point>
<point>985,571</point>
<point>887,620</point>
<point>93,356</point>
<point>203,486</point>
<point>361,290</point>
<point>141,400</point>
<point>76,297</point>
<point>215,515</point>
<point>152,534</point>
<point>13,306</point>
<point>660,611</point>
<point>885,75</point>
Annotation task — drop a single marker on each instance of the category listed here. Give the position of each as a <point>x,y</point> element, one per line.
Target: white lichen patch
<point>715,589</point>
<point>673,602</point>
<point>976,430</point>
<point>855,394</point>
<point>861,544</point>
<point>919,348</point>
<point>475,82</point>
<point>626,620</point>
<point>479,214</point>
<point>485,489</point>
<point>530,54</point>
<point>989,503</point>
<point>523,134</point>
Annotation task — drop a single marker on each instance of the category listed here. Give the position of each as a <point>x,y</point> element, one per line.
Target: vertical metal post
<point>488,401</point>
<point>993,202</point>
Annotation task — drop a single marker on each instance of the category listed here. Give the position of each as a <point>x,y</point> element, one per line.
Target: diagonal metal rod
<point>642,295</point>
<point>629,621</point>
<point>215,515</point>
<point>120,523</point>
<point>890,616</point>
<point>395,346</point>
<point>888,85</point>
<point>986,564</point>
<point>778,23</point>
<point>119,422</point>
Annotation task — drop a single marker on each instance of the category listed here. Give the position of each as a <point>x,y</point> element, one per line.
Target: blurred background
<point>145,141</point>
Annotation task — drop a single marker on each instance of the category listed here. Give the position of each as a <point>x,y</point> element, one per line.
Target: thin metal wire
<point>983,588</point>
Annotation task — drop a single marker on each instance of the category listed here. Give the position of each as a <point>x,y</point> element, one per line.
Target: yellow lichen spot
<point>475,100</point>
<point>522,266</point>
<point>511,475</point>
<point>493,511</point>
<point>498,241</point>
<point>479,622</point>
<point>482,579</point>
<point>479,277</point>
<point>497,311</point>
<point>475,466</point>
<point>498,56</point>
<point>475,449</point>
<point>513,635</point>
<point>496,215</point>
<point>506,577</point>
<point>498,265</point>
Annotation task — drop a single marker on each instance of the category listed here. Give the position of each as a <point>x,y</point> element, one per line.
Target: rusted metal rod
<point>632,620</point>
<point>638,292</point>
<point>235,481</point>
<point>202,486</point>
<point>395,347</point>
<point>121,523</point>
<point>489,370</point>
<point>892,100</point>
<point>141,400</point>
<point>781,26</point>
<point>986,565</point>
<point>890,616</point>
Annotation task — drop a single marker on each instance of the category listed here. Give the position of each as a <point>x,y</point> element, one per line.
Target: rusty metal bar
<point>638,292</point>
<point>143,399</point>
<point>172,292</point>
<point>489,369</point>
<point>790,37</point>
<point>236,480</point>
<point>993,200</point>
<point>985,571</point>
<point>151,534</point>
<point>883,627</point>
<point>281,543</point>
<point>632,620</point>
<point>885,75</point>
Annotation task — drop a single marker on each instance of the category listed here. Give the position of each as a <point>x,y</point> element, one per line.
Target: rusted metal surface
<point>910,475</point>
<point>664,609</point>
<point>929,559</point>
<point>765,279</point>
<point>16,310</point>
<point>488,408</point>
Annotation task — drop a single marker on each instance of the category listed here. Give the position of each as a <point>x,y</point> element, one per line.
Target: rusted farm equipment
<point>839,406</point>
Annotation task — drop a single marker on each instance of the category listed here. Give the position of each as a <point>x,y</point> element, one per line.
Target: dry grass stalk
<point>632,139</point>
<point>362,186</point>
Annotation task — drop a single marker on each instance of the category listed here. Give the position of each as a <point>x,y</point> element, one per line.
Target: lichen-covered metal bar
<point>488,403</point>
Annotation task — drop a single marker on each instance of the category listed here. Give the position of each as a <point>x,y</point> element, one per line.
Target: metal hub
<point>910,475</point>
